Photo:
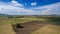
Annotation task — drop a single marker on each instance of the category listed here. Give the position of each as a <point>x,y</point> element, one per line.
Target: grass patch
<point>5,24</point>
<point>54,20</point>
<point>48,29</point>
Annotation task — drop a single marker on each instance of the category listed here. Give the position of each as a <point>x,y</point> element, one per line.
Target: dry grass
<point>5,26</point>
<point>48,29</point>
<point>6,29</point>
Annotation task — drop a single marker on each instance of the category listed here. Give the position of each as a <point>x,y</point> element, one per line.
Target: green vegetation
<point>54,20</point>
<point>5,24</point>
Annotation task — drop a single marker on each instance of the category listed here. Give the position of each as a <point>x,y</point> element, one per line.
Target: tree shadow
<point>28,27</point>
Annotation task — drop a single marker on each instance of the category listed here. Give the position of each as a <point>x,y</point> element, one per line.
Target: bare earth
<point>29,27</point>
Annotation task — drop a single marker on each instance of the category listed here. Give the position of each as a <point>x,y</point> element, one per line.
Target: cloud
<point>34,3</point>
<point>15,3</point>
<point>14,8</point>
<point>48,9</point>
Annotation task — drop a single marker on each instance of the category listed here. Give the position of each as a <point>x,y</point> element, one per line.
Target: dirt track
<point>29,27</point>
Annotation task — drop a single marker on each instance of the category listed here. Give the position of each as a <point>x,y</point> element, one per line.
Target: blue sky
<point>27,3</point>
<point>30,7</point>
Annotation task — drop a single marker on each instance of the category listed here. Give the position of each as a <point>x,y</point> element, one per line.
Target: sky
<point>30,7</point>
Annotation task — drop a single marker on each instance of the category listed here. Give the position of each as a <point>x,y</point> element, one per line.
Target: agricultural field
<point>30,25</point>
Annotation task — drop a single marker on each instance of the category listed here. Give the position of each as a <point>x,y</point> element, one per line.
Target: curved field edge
<point>6,29</point>
<point>48,29</point>
<point>5,26</point>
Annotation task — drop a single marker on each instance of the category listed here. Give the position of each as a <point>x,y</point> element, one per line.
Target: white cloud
<point>34,3</point>
<point>11,8</point>
<point>15,3</point>
<point>48,9</point>
<point>16,8</point>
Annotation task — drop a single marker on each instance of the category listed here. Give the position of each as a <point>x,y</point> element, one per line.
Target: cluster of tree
<point>15,16</point>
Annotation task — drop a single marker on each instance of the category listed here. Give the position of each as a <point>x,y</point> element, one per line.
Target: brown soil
<point>29,27</point>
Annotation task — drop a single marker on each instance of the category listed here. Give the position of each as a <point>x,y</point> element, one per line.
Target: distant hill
<point>3,14</point>
<point>6,15</point>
